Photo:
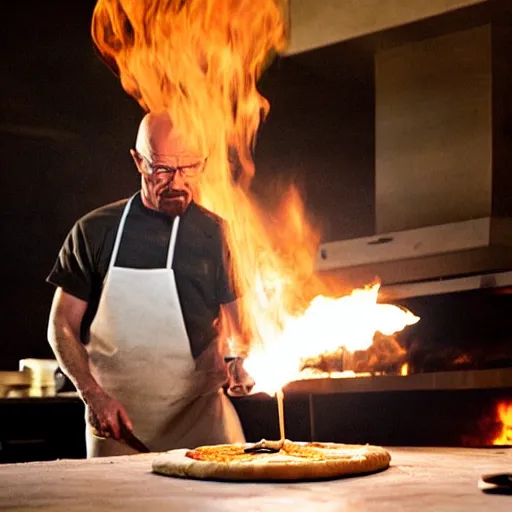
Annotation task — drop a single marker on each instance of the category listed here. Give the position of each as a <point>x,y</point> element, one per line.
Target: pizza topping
<point>309,451</point>
<point>219,453</point>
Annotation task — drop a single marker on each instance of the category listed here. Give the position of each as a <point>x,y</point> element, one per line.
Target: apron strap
<point>119,233</point>
<point>172,242</point>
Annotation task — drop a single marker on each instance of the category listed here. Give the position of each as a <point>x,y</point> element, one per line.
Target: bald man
<point>140,285</point>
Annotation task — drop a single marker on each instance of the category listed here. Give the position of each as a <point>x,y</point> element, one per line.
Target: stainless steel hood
<point>320,23</point>
<point>443,147</point>
<point>436,259</point>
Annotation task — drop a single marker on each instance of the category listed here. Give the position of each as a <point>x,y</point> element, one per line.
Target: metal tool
<point>498,483</point>
<point>264,446</point>
<point>132,440</point>
<point>127,437</point>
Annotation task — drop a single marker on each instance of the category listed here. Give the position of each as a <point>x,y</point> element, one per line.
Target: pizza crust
<point>341,460</point>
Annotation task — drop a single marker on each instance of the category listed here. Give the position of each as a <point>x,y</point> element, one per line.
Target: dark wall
<point>320,133</point>
<point>66,127</point>
<point>65,132</point>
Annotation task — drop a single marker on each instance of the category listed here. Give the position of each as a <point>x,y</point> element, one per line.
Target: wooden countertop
<point>433,479</point>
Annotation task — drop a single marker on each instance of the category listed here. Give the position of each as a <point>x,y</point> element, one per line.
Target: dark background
<point>66,126</point>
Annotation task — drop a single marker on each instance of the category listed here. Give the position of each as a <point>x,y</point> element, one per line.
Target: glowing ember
<point>504,411</point>
<point>200,60</point>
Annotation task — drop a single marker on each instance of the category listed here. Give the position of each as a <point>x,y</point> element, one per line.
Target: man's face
<point>168,162</point>
<point>164,187</point>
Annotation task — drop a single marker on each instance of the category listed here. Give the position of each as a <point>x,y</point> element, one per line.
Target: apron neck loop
<point>119,233</point>
<point>172,243</point>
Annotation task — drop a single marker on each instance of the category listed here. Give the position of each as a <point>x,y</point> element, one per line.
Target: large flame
<point>200,60</point>
<point>504,412</point>
<point>327,324</point>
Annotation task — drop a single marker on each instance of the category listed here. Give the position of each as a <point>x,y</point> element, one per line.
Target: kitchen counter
<point>419,479</point>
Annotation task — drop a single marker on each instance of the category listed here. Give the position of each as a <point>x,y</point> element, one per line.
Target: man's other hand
<point>240,382</point>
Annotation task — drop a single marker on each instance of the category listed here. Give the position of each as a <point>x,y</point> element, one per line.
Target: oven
<point>445,381</point>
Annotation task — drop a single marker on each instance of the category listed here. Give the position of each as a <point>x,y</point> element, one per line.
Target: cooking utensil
<point>132,440</point>
<point>127,437</point>
<point>497,483</point>
<point>264,446</point>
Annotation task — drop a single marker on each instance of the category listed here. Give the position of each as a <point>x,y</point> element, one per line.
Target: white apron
<point>139,353</point>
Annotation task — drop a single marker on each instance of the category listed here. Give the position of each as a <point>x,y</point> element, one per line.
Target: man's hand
<point>106,415</point>
<point>240,382</point>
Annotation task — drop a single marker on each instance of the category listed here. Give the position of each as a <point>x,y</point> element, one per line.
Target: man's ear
<point>137,159</point>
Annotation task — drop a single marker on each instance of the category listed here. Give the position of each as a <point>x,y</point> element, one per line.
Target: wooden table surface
<point>419,479</point>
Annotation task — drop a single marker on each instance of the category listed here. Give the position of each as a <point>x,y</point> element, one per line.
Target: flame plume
<point>504,413</point>
<point>201,60</point>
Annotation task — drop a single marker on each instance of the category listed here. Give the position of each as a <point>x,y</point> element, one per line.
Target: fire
<point>404,370</point>
<point>327,324</point>
<point>504,412</point>
<point>201,60</point>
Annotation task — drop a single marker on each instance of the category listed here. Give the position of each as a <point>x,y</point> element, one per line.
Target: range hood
<point>443,145</point>
<point>315,24</point>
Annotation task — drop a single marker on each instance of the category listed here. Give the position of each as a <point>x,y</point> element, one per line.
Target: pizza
<point>294,461</point>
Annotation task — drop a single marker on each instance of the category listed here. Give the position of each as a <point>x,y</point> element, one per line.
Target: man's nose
<point>177,181</point>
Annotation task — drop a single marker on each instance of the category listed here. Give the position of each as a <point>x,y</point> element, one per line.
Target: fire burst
<point>504,411</point>
<point>201,60</point>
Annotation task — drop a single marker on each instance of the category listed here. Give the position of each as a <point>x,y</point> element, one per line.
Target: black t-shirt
<point>200,261</point>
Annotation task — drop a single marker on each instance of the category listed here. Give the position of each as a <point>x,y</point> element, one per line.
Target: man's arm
<point>240,382</point>
<point>233,327</point>
<point>64,336</point>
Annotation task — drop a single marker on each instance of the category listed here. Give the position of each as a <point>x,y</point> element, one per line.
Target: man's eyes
<point>191,169</point>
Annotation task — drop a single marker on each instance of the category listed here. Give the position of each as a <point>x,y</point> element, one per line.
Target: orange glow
<point>201,60</point>
<point>404,370</point>
<point>504,412</point>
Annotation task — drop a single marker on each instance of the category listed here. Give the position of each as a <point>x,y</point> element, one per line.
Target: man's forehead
<point>161,142</point>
